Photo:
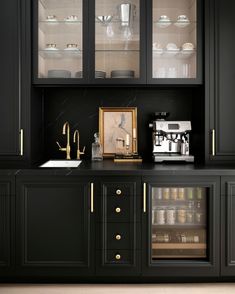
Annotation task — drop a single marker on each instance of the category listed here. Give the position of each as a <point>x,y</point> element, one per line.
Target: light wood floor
<point>227,288</point>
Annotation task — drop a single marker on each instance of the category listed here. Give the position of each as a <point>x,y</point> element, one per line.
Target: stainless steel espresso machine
<point>170,139</point>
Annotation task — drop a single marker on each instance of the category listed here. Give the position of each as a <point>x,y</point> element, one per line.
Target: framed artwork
<point>118,130</point>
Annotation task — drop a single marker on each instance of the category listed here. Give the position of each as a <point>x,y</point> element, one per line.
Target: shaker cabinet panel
<point>5,216</point>
<point>10,78</point>
<point>228,227</point>
<point>220,80</point>
<point>55,224</point>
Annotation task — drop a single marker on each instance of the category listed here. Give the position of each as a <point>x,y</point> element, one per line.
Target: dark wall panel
<point>80,107</point>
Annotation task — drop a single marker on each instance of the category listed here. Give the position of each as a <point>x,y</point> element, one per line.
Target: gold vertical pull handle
<point>92,197</point>
<point>21,142</point>
<point>144,197</point>
<point>213,142</point>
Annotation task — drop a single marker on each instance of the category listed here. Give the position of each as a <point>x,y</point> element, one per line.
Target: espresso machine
<point>170,139</point>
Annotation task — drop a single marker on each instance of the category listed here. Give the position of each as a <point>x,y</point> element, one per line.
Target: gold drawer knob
<point>118,256</point>
<point>119,192</point>
<point>118,209</point>
<point>118,237</point>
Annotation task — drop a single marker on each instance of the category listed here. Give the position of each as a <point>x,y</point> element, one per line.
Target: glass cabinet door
<point>117,39</point>
<point>179,222</point>
<point>60,39</point>
<point>174,39</point>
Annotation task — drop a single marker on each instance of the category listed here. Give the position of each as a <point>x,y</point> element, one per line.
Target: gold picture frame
<point>117,122</point>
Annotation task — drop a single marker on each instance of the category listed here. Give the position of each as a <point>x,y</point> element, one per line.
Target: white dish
<point>71,18</point>
<point>51,49</point>
<point>171,46</point>
<point>61,163</point>
<point>163,24</point>
<point>72,49</point>
<point>181,24</point>
<point>187,46</point>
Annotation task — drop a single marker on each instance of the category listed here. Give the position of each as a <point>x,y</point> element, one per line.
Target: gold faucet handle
<point>83,150</point>
<point>60,148</point>
<point>59,145</point>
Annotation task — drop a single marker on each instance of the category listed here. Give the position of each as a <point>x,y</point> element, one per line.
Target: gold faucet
<point>76,135</point>
<point>66,129</point>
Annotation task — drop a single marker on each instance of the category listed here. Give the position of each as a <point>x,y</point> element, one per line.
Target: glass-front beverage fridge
<point>179,222</point>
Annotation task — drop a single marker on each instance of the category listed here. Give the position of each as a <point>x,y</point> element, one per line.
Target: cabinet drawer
<point>123,236</point>
<point>119,189</point>
<point>118,209</point>
<point>118,257</point>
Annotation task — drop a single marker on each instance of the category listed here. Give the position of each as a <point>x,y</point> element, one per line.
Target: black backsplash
<point>80,106</point>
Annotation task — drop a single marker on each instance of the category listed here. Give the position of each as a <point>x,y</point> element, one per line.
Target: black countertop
<point>108,167</point>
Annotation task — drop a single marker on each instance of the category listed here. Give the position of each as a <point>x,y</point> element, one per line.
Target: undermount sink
<point>61,163</point>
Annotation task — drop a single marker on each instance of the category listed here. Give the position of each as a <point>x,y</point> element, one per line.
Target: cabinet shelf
<point>118,50</point>
<point>180,226</point>
<point>60,54</point>
<point>166,54</point>
<point>172,28</point>
<point>179,246</point>
<point>51,4</point>
<point>179,256</point>
<point>60,27</point>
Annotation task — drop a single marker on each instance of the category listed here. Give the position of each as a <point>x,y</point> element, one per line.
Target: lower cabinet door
<point>5,220</point>
<point>55,226</point>
<point>228,227</point>
<point>181,226</point>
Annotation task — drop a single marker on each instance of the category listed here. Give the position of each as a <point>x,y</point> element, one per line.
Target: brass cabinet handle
<point>118,237</point>
<point>144,197</point>
<point>118,209</point>
<point>117,256</point>
<point>21,142</point>
<point>119,192</point>
<point>213,142</point>
<point>92,197</point>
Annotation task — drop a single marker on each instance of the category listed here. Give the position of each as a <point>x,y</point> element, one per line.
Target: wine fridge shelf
<point>179,246</point>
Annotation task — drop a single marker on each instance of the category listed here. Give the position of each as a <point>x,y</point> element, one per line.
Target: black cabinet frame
<point>142,60</point>
<point>85,56</point>
<point>145,52</point>
<point>179,81</point>
<point>227,226</point>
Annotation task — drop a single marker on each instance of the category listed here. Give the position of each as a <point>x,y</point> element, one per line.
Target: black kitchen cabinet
<point>118,227</point>
<point>10,81</point>
<point>114,43</point>
<point>228,226</point>
<point>175,42</point>
<point>180,226</point>
<point>55,226</point>
<point>7,229</point>
<point>220,88</point>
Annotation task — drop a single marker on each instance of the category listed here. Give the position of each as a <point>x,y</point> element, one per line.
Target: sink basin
<point>61,163</point>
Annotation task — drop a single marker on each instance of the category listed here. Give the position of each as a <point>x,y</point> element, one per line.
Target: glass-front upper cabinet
<point>176,42</point>
<point>59,40</point>
<point>118,41</point>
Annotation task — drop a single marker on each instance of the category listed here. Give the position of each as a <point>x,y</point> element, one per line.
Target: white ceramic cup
<point>182,17</point>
